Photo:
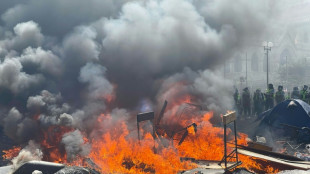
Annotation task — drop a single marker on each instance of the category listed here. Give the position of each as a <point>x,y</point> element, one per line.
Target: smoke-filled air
<point>75,74</point>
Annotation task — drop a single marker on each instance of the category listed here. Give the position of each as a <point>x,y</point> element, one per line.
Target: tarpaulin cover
<point>291,112</point>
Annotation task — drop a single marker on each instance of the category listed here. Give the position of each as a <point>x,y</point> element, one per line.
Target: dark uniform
<point>295,94</point>
<point>269,97</point>
<point>304,94</point>
<point>280,95</point>
<point>288,96</point>
<point>258,101</point>
<point>237,101</point>
<point>246,101</point>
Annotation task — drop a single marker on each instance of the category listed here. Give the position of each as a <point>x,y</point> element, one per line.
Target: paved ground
<point>246,125</point>
<point>214,171</point>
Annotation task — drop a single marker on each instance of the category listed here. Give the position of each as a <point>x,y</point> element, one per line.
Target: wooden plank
<point>209,164</point>
<point>230,117</point>
<point>270,153</point>
<point>234,165</point>
<point>259,146</point>
<point>145,116</point>
<point>161,114</point>
<point>212,164</point>
<point>305,165</point>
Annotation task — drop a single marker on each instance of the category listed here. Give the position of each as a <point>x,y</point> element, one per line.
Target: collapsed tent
<point>283,118</point>
<point>290,112</point>
<point>282,135</point>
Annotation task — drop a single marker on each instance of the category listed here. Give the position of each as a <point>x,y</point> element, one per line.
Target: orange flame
<point>116,150</point>
<point>191,130</point>
<point>11,153</point>
<point>120,153</point>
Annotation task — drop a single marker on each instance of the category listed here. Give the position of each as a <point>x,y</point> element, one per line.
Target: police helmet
<point>280,87</point>
<point>270,86</point>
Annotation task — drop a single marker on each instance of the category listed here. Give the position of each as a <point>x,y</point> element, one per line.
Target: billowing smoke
<point>203,86</point>
<point>18,127</point>
<point>74,145</point>
<point>152,40</point>
<point>31,152</point>
<point>63,68</point>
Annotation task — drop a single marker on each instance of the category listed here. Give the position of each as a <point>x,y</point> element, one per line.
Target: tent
<point>295,113</point>
<point>288,119</point>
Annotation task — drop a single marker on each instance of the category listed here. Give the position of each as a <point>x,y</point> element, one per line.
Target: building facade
<point>289,58</point>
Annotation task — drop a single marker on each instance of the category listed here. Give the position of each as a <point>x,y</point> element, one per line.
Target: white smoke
<point>31,152</point>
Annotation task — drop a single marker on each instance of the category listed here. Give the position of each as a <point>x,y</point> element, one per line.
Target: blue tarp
<point>291,112</point>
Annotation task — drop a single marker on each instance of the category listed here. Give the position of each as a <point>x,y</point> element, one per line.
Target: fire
<point>51,143</point>
<point>191,130</point>
<point>206,144</point>
<point>117,149</point>
<point>120,153</point>
<point>11,153</point>
<point>115,153</point>
<point>229,112</point>
<point>270,169</point>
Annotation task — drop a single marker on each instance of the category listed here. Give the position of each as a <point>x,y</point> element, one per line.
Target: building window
<point>254,62</point>
<point>238,64</point>
<point>227,67</point>
<point>285,53</point>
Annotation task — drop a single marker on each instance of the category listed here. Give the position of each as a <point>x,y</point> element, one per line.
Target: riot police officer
<point>304,94</point>
<point>246,101</point>
<point>280,96</point>
<point>295,93</point>
<point>258,101</point>
<point>237,101</point>
<point>269,96</point>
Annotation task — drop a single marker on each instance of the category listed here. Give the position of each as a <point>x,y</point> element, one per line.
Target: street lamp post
<point>286,71</point>
<point>246,69</point>
<point>267,47</point>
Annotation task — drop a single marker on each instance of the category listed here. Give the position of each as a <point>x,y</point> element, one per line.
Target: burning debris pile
<point>72,85</point>
<point>118,149</point>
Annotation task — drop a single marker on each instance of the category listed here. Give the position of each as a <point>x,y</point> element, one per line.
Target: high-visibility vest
<point>303,94</point>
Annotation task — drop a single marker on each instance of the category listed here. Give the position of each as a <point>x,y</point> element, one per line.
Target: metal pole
<point>246,69</point>
<point>154,147</point>
<point>235,127</point>
<point>267,67</point>
<point>138,132</point>
<point>286,72</point>
<point>267,49</point>
<point>225,150</point>
<point>224,69</point>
